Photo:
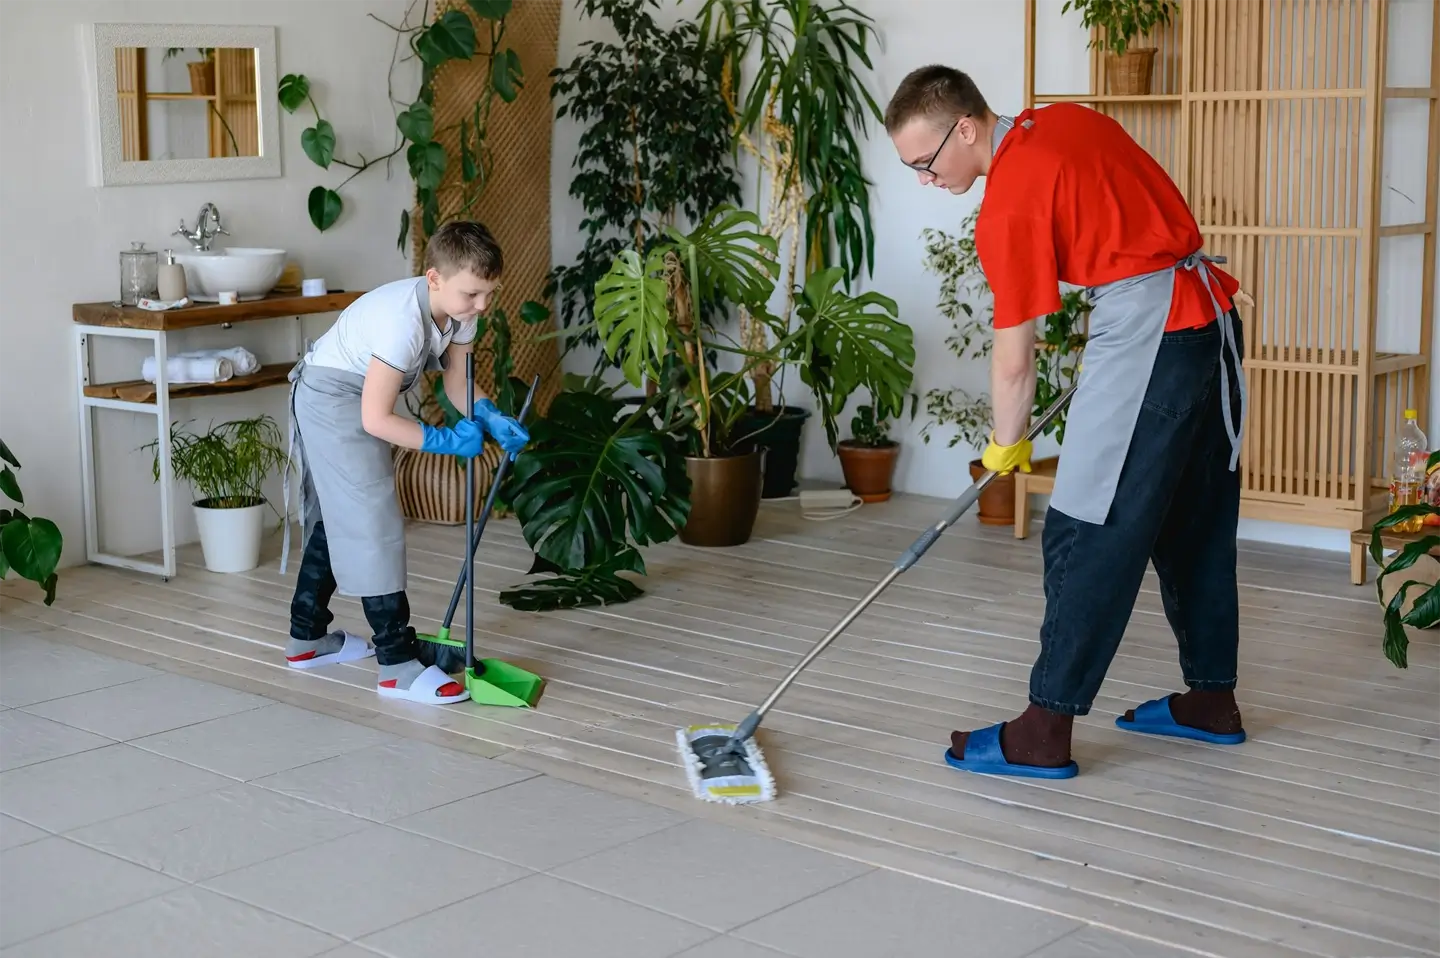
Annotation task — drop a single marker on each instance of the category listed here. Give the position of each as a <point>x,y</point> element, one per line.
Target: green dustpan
<point>489,681</point>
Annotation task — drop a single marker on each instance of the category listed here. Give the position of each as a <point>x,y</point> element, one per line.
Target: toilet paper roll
<point>313,287</point>
<point>229,298</point>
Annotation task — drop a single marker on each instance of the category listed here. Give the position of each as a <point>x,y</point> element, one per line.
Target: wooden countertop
<point>209,314</point>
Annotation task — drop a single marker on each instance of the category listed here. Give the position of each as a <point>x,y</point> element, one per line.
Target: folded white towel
<point>241,358</point>
<point>190,369</point>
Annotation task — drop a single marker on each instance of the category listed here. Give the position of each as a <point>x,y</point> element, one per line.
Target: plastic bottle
<point>1411,451</point>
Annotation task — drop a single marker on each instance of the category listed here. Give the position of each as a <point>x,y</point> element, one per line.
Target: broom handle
<point>467,568</point>
<point>911,556</point>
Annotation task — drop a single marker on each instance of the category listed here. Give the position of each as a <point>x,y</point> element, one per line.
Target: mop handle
<point>909,558</point>
<point>489,500</point>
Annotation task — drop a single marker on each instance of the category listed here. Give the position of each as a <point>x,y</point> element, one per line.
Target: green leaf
<point>451,37</point>
<point>4,562</point>
<point>585,589</point>
<point>404,230</point>
<point>427,167</point>
<point>491,9</point>
<point>506,75</point>
<point>1426,612</point>
<point>733,260</point>
<point>294,89</point>
<point>417,124</point>
<point>532,313</point>
<point>325,208</point>
<point>11,486</point>
<point>847,343</point>
<point>318,142</point>
<point>595,480</point>
<point>7,455</point>
<point>468,170</point>
<point>631,315</point>
<point>49,585</point>
<point>32,547</point>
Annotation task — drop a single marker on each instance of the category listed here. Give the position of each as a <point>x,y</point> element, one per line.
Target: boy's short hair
<point>464,245</point>
<point>935,92</point>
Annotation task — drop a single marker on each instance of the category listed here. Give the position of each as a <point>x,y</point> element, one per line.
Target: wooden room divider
<point>1269,115</point>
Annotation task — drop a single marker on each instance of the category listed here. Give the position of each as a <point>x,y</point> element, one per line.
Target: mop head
<point>719,772</point>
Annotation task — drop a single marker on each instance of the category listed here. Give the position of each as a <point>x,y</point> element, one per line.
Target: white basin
<point>249,272</point>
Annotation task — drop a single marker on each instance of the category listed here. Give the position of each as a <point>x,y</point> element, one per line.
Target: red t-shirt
<point>1073,198</point>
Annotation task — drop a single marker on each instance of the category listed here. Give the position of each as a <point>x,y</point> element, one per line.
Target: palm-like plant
<point>802,116</point>
<point>1425,613</point>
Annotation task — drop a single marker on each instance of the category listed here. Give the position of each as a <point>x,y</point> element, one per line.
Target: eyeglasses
<point>927,169</point>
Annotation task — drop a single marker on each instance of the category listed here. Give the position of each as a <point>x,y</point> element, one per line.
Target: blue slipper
<point>983,756</point>
<point>1155,718</point>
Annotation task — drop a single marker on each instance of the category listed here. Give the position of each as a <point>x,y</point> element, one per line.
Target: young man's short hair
<point>464,245</point>
<point>935,92</point>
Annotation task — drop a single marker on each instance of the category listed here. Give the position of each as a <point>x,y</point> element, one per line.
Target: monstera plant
<point>30,547</point>
<point>606,477</point>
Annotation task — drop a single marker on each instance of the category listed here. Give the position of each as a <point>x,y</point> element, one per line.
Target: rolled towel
<point>190,369</point>
<point>241,358</point>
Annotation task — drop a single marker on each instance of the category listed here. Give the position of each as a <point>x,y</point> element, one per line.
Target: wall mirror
<point>182,103</point>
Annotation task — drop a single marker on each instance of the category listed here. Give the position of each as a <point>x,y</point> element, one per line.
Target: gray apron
<point>353,474</point>
<point>1127,322</point>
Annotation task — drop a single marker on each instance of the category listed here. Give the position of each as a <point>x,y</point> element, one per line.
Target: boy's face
<point>942,155</point>
<point>461,295</point>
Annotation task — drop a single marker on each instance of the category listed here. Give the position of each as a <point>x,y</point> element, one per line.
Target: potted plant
<point>227,465</point>
<point>965,301</point>
<point>1407,600</point>
<point>1128,70</point>
<point>656,148</point>
<point>646,311</point>
<point>29,547</point>
<point>801,114</point>
<point>202,71</point>
<point>868,457</point>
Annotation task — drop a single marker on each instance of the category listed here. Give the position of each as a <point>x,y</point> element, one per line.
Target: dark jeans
<point>310,616</point>
<point>1177,505</point>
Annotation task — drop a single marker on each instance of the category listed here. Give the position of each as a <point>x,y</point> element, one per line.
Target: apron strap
<point>289,466</point>
<point>1197,261</point>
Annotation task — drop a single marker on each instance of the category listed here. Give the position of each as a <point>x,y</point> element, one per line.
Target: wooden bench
<point>1039,482</point>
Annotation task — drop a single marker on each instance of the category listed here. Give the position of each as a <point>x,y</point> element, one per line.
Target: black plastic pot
<point>777,433</point>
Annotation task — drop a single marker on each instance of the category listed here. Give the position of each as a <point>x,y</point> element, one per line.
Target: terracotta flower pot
<point>724,499</point>
<point>869,469</point>
<point>997,502</point>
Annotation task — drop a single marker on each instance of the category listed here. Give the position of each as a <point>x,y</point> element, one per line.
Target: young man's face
<point>461,295</point>
<point>941,154</point>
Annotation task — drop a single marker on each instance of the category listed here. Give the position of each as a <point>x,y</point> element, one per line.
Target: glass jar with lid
<point>139,274</point>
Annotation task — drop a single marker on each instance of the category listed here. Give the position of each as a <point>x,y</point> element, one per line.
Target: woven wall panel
<point>515,205</point>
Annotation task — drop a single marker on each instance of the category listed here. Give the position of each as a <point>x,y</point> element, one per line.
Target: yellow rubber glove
<point>1003,460</point>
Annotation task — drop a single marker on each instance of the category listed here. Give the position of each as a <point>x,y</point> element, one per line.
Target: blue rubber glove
<point>466,440</point>
<point>508,432</point>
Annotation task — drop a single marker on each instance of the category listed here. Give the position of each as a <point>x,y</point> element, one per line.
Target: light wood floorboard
<point>1319,837</point>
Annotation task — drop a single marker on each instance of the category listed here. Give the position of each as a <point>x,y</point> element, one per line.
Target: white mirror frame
<point>100,40</point>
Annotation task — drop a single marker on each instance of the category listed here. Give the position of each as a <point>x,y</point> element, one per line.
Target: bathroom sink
<point>247,271</point>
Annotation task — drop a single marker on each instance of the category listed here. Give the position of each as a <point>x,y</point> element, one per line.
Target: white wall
<point>60,238</point>
<point>986,39</point>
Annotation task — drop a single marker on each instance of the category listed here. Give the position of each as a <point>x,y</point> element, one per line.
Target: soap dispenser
<point>172,279</point>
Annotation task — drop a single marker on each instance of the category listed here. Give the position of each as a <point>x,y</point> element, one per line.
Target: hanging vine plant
<point>453,35</point>
<point>656,148</point>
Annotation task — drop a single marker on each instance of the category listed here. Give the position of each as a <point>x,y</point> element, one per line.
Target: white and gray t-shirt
<point>391,323</point>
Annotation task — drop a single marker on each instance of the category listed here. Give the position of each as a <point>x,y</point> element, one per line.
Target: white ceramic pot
<point>230,538</point>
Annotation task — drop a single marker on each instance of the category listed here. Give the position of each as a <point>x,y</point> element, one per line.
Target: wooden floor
<point>1320,836</point>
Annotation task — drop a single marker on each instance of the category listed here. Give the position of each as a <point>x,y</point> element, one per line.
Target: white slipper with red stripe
<point>427,689</point>
<point>354,649</point>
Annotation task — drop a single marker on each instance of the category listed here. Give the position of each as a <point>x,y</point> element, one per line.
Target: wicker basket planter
<point>431,486</point>
<point>1129,73</point>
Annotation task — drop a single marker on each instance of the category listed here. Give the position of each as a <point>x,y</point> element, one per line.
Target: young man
<point>343,416</point>
<point>1148,472</point>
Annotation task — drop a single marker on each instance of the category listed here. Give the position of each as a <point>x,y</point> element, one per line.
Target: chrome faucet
<point>207,227</point>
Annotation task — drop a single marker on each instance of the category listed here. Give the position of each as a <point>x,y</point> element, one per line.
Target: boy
<point>1151,441</point>
<point>343,416</point>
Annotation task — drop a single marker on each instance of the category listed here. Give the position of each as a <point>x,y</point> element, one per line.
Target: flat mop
<point>722,762</point>
<point>489,681</point>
